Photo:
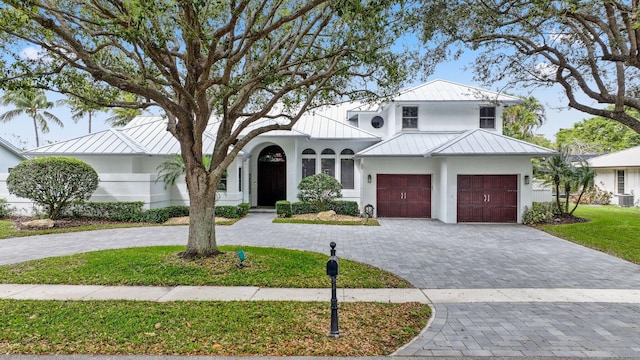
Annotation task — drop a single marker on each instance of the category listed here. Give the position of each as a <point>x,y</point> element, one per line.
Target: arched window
<point>347,169</point>
<point>328,162</point>
<point>308,162</point>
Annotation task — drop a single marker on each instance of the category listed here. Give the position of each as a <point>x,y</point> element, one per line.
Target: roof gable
<point>482,142</point>
<point>108,142</point>
<point>408,144</point>
<point>12,149</point>
<point>625,158</point>
<point>442,90</point>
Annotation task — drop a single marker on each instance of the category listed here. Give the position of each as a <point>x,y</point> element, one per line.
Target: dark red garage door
<point>403,196</point>
<point>488,198</point>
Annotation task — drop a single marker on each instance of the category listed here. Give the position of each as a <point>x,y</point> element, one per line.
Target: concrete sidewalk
<point>251,293</point>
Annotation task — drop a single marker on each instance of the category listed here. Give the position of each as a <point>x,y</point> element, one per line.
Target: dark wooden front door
<point>272,176</point>
<point>403,195</point>
<point>488,198</point>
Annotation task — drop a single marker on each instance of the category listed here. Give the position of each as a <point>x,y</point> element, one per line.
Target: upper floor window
<point>488,117</point>
<point>620,181</point>
<point>409,117</point>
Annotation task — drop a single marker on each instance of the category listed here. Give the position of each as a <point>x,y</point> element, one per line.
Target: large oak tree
<point>591,48</point>
<point>241,61</point>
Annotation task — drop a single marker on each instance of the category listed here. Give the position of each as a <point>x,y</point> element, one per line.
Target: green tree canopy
<point>597,135</point>
<point>590,48</point>
<point>245,61</point>
<point>82,108</point>
<point>521,121</point>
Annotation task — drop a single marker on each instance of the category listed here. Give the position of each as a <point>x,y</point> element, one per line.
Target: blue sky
<point>20,131</point>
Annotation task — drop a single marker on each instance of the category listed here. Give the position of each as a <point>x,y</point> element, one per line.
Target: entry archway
<point>272,176</point>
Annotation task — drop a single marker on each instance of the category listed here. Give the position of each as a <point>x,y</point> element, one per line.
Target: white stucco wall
<point>293,147</point>
<point>606,180</point>
<point>477,165</point>
<point>395,165</point>
<point>444,176</point>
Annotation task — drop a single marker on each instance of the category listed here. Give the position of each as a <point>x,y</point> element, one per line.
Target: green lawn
<point>612,229</point>
<point>8,230</point>
<point>205,328</point>
<point>160,266</point>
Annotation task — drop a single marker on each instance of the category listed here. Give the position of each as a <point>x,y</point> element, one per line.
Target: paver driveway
<point>432,255</point>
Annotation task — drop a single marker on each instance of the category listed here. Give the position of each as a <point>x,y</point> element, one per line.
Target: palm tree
<point>520,121</point>
<point>81,108</point>
<point>171,169</point>
<point>122,116</point>
<point>583,177</point>
<point>557,169</point>
<point>32,102</point>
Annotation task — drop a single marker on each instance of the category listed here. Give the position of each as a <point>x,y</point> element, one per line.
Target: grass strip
<point>8,229</point>
<point>612,230</point>
<point>160,266</point>
<point>205,328</point>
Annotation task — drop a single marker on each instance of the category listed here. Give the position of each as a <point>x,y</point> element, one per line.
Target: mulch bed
<point>64,223</point>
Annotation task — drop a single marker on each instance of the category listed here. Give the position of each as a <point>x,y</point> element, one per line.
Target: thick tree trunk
<point>202,235</point>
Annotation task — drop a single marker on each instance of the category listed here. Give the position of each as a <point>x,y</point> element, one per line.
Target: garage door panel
<point>401,195</point>
<point>487,198</point>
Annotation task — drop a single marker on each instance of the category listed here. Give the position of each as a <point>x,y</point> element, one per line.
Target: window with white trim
<point>409,117</point>
<point>488,117</point>
<point>308,162</point>
<point>347,169</point>
<point>620,182</point>
<point>328,162</point>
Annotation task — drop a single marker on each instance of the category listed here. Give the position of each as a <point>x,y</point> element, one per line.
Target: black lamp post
<point>332,271</point>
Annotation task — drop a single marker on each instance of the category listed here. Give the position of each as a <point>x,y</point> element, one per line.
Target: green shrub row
<point>286,209</point>
<point>539,212</point>
<point>283,209</point>
<point>133,212</point>
<point>113,211</point>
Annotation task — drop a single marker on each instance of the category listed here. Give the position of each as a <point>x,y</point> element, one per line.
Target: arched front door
<point>272,176</point>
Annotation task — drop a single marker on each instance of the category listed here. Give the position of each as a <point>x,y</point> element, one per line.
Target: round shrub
<point>319,190</point>
<point>53,182</point>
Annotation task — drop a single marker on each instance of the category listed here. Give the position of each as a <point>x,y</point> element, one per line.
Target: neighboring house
<point>10,156</point>
<point>433,151</point>
<point>619,173</point>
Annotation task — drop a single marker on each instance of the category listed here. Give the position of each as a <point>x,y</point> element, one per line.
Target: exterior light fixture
<point>369,178</point>
<point>526,180</point>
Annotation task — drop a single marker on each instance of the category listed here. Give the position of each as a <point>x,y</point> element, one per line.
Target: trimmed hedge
<point>344,207</point>
<point>229,212</point>
<point>133,212</point>
<point>283,209</point>
<point>113,211</point>
<point>243,209</point>
<point>341,207</point>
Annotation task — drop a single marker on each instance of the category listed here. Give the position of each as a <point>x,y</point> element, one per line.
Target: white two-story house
<point>433,151</point>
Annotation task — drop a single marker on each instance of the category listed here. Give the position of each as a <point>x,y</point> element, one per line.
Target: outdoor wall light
<point>526,180</point>
<point>369,178</point>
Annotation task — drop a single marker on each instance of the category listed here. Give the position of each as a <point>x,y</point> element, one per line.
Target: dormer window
<point>409,117</point>
<point>488,117</point>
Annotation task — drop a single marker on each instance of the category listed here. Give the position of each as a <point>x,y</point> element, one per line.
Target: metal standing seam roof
<point>9,146</point>
<point>442,90</point>
<point>408,144</point>
<point>482,142</point>
<point>625,158</point>
<point>107,142</point>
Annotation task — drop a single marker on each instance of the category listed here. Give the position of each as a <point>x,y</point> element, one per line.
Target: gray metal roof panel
<point>104,142</point>
<point>482,142</point>
<point>625,158</point>
<point>408,144</point>
<point>442,90</point>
